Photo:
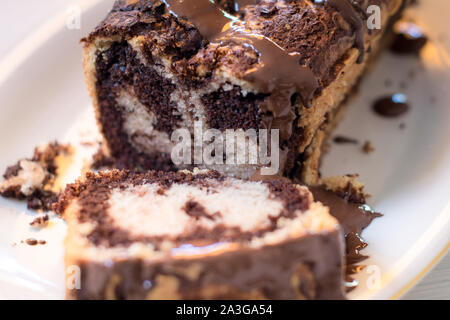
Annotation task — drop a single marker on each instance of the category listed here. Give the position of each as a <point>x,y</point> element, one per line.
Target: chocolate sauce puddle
<point>279,72</point>
<point>353,218</point>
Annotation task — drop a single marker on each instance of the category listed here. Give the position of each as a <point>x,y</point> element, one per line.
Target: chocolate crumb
<point>402,126</point>
<point>31,242</point>
<point>34,242</point>
<point>368,148</point>
<point>391,106</point>
<point>409,38</point>
<point>40,221</point>
<point>345,140</point>
<point>42,200</point>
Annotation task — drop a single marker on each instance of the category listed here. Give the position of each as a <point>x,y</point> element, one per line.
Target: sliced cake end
<point>199,236</point>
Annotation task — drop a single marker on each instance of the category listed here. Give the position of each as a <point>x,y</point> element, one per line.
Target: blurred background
<point>20,18</point>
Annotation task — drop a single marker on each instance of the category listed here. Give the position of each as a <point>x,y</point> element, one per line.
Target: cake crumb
<point>345,140</point>
<point>40,222</point>
<point>34,242</point>
<point>35,179</point>
<point>368,148</point>
<point>31,242</point>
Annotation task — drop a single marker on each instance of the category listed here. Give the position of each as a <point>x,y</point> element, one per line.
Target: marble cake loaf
<point>153,67</point>
<point>199,235</point>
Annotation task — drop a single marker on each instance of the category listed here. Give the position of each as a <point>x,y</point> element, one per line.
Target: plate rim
<point>26,48</point>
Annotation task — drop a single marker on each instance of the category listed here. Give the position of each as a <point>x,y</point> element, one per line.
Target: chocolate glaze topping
<point>206,16</point>
<point>279,72</point>
<point>281,80</point>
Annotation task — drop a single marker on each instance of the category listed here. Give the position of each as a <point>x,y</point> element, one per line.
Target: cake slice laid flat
<point>198,235</point>
<point>153,67</point>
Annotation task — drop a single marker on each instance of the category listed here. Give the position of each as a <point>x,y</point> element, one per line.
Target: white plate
<point>42,94</point>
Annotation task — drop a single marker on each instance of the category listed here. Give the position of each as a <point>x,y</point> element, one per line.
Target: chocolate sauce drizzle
<point>353,218</point>
<point>209,19</point>
<point>279,73</point>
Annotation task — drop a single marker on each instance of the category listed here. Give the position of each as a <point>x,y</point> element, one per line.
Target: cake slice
<point>153,67</point>
<point>199,235</point>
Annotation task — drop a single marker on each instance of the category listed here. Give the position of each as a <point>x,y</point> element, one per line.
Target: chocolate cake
<point>199,235</point>
<point>153,67</point>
